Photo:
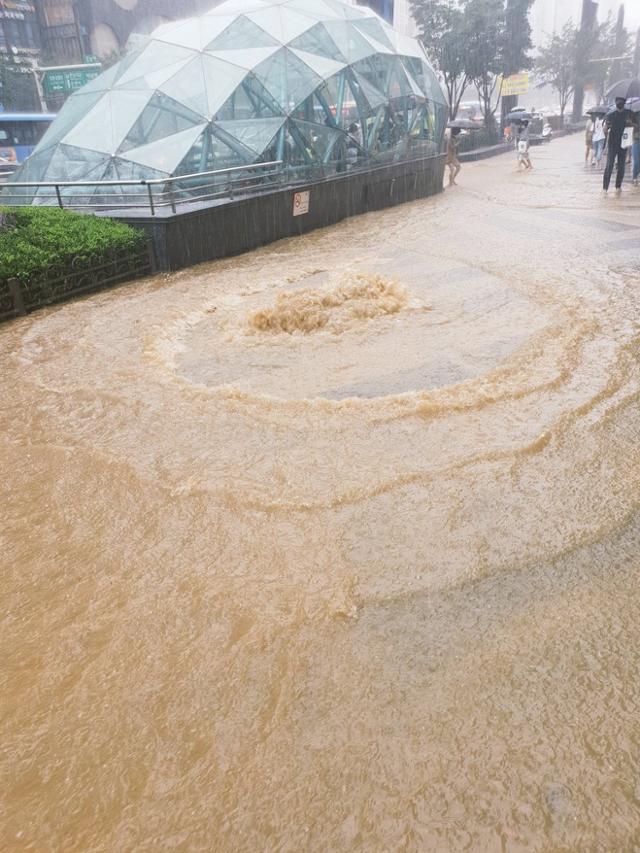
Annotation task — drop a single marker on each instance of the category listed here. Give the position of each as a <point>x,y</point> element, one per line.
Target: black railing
<point>58,284</point>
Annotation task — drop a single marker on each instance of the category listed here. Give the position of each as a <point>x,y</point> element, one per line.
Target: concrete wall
<point>207,233</point>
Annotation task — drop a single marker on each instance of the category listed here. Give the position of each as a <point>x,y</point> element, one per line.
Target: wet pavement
<point>335,545</point>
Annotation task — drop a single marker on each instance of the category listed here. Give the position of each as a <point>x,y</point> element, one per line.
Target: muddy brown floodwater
<point>335,546</point>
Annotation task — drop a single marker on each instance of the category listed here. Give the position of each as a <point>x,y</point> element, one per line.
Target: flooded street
<point>335,546</point>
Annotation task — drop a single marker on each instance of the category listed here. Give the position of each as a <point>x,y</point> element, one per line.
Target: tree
<point>441,24</point>
<point>604,55</point>
<point>475,41</point>
<point>517,45</point>
<point>484,55</point>
<point>556,64</point>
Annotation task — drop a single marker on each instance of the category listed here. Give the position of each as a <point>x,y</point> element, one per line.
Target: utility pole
<point>620,45</point>
<point>587,26</point>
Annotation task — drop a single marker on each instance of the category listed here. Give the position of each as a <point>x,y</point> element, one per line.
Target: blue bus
<point>19,135</point>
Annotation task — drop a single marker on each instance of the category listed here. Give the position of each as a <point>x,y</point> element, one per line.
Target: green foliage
<point>597,56</point>
<point>442,26</point>
<point>475,41</point>
<point>557,62</point>
<point>609,39</point>
<point>40,239</point>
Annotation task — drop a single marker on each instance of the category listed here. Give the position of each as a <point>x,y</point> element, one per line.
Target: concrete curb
<point>504,147</point>
<point>483,153</point>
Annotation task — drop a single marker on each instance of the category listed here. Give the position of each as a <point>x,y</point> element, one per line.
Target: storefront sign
<point>517,84</point>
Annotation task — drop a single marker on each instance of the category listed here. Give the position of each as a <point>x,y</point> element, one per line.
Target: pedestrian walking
<point>615,126</point>
<point>588,141</point>
<point>598,141</point>
<point>636,148</point>
<point>522,146</point>
<point>452,161</point>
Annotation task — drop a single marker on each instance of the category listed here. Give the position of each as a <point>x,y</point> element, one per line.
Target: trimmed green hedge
<point>40,239</point>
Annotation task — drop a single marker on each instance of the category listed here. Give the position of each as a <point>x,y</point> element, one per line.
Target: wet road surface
<point>335,545</point>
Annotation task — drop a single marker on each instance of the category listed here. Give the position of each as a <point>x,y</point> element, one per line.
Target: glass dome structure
<point>320,85</point>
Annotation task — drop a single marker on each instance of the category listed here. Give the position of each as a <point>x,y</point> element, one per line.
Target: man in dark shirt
<point>615,123</point>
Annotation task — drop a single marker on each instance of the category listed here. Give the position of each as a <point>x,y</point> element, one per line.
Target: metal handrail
<point>143,182</point>
<point>205,186</point>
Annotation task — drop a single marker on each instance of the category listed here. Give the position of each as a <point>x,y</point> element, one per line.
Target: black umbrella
<point>633,104</point>
<point>627,88</point>
<point>521,115</point>
<point>463,124</point>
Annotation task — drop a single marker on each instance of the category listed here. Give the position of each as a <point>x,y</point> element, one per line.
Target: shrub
<point>40,239</point>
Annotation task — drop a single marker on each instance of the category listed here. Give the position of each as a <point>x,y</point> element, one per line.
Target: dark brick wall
<point>217,232</point>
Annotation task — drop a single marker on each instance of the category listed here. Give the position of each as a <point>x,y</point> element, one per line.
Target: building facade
<point>20,44</point>
<point>396,12</point>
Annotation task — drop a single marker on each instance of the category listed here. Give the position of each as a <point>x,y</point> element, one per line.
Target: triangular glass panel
<point>349,12</point>
<point>155,79</point>
<point>318,9</point>
<point>121,170</point>
<point>161,118</point>
<point>103,82</point>
<point>73,109</point>
<point>255,134</point>
<point>373,28</point>
<point>248,58</point>
<point>209,154</point>
<point>281,22</point>
<point>243,33</point>
<point>105,126</point>
<point>77,164</point>
<point>322,66</point>
<point>164,155</point>
<point>319,138</point>
<point>250,100</point>
<point>231,8</point>
<point>193,33</point>
<point>126,170</point>
<point>33,170</point>
<point>376,70</point>
<point>317,40</point>
<point>287,78</point>
<point>398,85</point>
<point>351,44</point>
<point>378,46</point>
<point>430,83</point>
<point>415,88</point>
<point>406,46</point>
<point>204,84</point>
<point>156,56</point>
<point>373,96</point>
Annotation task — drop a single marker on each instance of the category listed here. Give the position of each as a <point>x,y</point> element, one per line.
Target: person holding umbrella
<point>595,127</point>
<point>633,105</point>
<point>615,125</point>
<point>453,143</point>
<point>598,139</point>
<point>588,140</point>
<point>452,161</point>
<point>522,146</point>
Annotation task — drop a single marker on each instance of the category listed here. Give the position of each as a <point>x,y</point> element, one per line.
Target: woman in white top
<point>598,140</point>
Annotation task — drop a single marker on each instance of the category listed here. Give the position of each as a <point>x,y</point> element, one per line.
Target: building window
<point>384,8</point>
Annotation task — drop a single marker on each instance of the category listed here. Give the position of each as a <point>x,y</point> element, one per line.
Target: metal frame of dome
<point>320,85</point>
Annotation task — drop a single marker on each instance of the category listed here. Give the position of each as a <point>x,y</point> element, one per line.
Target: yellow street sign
<point>517,84</point>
